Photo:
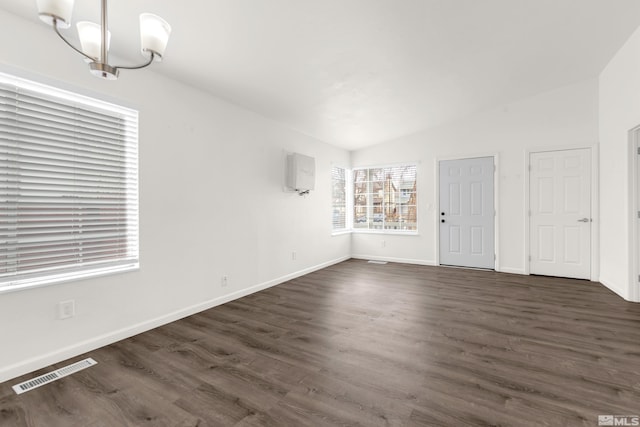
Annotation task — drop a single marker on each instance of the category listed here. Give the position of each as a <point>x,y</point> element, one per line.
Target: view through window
<point>385,198</point>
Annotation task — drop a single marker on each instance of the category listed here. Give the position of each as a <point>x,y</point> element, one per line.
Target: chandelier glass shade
<point>90,39</point>
<point>95,38</point>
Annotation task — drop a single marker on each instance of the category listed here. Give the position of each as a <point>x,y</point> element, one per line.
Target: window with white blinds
<point>68,185</point>
<point>385,198</point>
<point>339,194</point>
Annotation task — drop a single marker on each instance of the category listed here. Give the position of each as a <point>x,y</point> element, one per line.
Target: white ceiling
<point>357,72</point>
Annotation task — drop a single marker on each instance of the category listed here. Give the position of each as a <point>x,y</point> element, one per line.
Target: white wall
<point>211,204</point>
<point>564,117</point>
<point>619,113</point>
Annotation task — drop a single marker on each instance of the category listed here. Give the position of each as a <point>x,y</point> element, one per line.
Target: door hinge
<point>529,257</point>
<point>638,150</point>
<point>495,257</point>
<point>638,214</point>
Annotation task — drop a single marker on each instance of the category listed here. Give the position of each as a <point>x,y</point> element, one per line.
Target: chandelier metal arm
<point>55,28</point>
<point>95,38</point>
<point>137,67</point>
<point>117,67</point>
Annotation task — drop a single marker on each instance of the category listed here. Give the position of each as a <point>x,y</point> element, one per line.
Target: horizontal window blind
<point>339,193</point>
<point>385,198</point>
<point>68,184</point>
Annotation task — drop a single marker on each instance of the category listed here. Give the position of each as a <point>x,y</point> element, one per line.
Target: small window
<point>385,198</point>
<point>339,194</point>
<point>68,185</point>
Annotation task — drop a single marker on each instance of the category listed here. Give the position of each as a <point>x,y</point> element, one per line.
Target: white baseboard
<point>512,270</point>
<point>615,288</point>
<point>9,372</point>
<point>391,259</point>
<point>427,262</point>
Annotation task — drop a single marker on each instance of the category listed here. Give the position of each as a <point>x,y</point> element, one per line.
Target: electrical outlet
<point>294,256</point>
<point>66,309</point>
<point>224,281</point>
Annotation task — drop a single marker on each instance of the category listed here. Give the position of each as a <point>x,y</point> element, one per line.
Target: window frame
<point>339,230</point>
<point>384,230</point>
<point>347,205</point>
<point>127,259</point>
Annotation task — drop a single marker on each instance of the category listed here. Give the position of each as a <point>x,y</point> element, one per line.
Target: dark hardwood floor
<point>365,344</point>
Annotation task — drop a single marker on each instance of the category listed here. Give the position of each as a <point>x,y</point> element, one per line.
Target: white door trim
<point>634,226</point>
<point>595,213</point>
<point>496,201</point>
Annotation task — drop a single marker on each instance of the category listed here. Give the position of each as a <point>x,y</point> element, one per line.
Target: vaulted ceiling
<point>357,72</point>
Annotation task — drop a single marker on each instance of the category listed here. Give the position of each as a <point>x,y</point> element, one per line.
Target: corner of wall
<point>618,113</point>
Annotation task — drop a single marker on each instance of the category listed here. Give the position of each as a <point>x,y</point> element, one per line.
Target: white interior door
<point>467,213</point>
<point>560,210</point>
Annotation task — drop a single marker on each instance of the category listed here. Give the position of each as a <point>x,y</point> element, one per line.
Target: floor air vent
<point>377,262</point>
<point>52,376</point>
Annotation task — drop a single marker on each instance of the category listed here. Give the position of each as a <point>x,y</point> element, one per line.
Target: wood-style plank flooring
<point>365,344</point>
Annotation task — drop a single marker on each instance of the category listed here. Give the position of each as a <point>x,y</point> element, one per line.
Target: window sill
<point>25,284</point>
<point>395,232</point>
<point>365,231</point>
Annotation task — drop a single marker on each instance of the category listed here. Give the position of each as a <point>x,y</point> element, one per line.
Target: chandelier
<point>95,38</point>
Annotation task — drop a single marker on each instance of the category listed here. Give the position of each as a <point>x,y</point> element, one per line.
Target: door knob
<point>584,220</point>
<point>442,220</point>
<point>441,213</point>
